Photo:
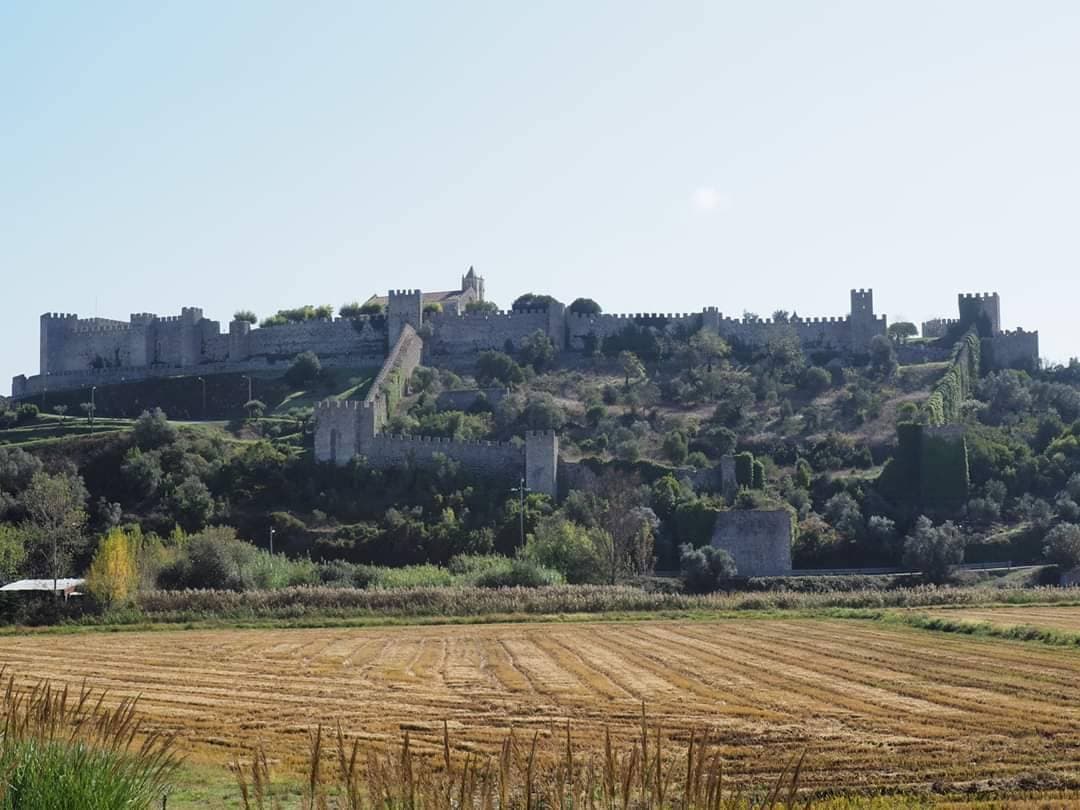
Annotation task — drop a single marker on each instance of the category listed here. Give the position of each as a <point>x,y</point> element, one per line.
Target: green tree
<point>704,569</point>
<point>883,357</point>
<point>255,408</point>
<point>56,516</point>
<point>306,368</point>
<point>481,307</point>
<point>533,301</point>
<point>815,381</point>
<point>153,430</point>
<point>498,367</point>
<point>901,331</point>
<point>433,308</point>
<point>372,308</point>
<point>584,306</point>
<point>632,367</point>
<point>351,310</point>
<point>245,316</point>
<point>1062,546</point>
<point>191,504</point>
<point>934,550</point>
<point>12,552</point>
<point>538,350</point>
<point>676,447</point>
<point>566,547</point>
<point>708,348</point>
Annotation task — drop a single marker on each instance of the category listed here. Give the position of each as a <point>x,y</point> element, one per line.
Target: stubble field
<point>872,705</point>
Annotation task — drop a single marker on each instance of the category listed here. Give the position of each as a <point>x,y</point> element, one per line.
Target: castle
<point>80,352</point>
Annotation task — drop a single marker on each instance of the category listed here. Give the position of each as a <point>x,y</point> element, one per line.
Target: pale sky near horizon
<point>658,157</point>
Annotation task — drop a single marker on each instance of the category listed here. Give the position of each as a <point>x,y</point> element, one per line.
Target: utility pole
<point>522,491</point>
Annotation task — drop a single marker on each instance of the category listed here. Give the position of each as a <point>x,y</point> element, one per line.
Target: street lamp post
<point>522,491</point>
<point>203,381</point>
<point>271,540</point>
<point>93,408</point>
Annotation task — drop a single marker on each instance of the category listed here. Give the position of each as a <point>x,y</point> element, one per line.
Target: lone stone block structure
<point>348,430</point>
<point>758,541</point>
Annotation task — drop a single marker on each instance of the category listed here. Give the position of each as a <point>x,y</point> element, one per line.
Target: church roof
<point>428,297</point>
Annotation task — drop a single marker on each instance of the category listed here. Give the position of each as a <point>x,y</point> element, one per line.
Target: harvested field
<point>1045,617</point>
<point>873,705</point>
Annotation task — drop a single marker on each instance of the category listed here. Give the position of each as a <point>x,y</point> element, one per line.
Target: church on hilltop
<point>451,301</point>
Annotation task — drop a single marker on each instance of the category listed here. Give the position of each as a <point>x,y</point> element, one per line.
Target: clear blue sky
<point>656,157</point>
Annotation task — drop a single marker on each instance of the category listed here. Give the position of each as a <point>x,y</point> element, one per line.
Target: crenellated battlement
<point>337,404</point>
<point>403,438</point>
<point>59,316</point>
<point>979,296</point>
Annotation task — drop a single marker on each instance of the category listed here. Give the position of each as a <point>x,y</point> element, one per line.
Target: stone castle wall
<point>466,335</point>
<point>1015,349</point>
<point>71,347</point>
<point>348,430</point>
<point>758,541</point>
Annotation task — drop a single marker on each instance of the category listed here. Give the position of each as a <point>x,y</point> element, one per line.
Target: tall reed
<point>528,773</point>
<point>60,749</point>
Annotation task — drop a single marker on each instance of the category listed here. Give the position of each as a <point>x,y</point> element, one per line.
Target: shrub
<point>153,430</point>
<point>704,569</point>
<point>566,547</point>
<point>26,413</point>
<point>245,316</point>
<point>816,381</point>
<point>516,573</point>
<point>498,367</point>
<point>675,446</point>
<point>1063,546</point>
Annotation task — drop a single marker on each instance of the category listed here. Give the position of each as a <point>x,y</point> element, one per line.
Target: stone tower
<point>403,307</point>
<point>474,282</point>
<point>542,461</point>
<point>863,321</point>
<point>54,331</point>
<point>983,310</point>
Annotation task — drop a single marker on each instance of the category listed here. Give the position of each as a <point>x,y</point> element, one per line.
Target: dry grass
<point>873,706</point>
<point>524,773</point>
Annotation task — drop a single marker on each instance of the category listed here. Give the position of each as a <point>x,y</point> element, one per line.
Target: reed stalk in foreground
<point>647,775</point>
<point>60,749</point>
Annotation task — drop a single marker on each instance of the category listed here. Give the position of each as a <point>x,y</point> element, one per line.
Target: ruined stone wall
<point>758,541</point>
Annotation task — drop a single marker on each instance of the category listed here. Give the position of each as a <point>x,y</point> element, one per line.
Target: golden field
<point>872,705</point>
